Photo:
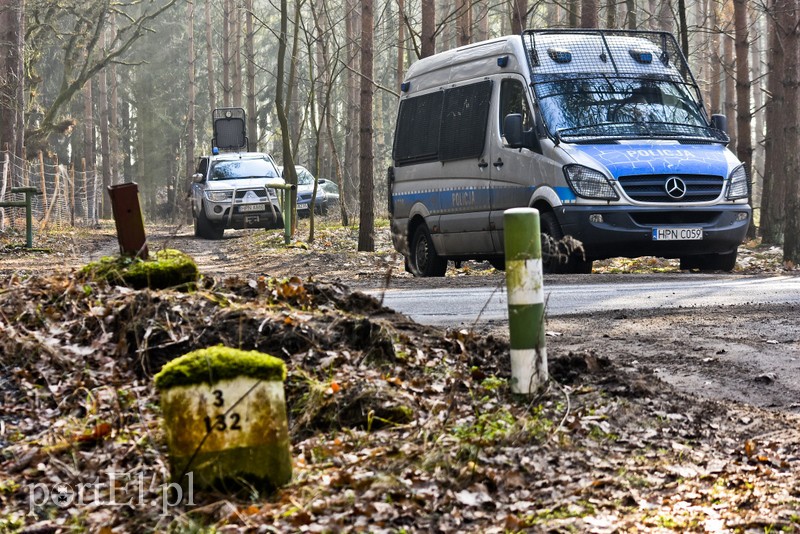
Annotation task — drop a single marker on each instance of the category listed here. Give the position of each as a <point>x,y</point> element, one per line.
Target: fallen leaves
<point>394,425</point>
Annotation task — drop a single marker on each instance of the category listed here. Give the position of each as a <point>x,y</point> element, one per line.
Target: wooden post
<point>525,282</point>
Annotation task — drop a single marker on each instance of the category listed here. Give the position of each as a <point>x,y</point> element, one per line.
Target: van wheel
<point>205,229</point>
<point>423,260</point>
<point>710,262</point>
<point>498,262</point>
<point>556,257</point>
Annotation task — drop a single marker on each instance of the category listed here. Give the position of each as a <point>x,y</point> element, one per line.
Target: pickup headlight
<point>738,184</point>
<point>589,183</point>
<point>219,196</point>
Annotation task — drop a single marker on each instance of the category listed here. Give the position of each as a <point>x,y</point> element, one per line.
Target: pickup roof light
<point>641,56</point>
<point>589,183</point>
<point>559,55</point>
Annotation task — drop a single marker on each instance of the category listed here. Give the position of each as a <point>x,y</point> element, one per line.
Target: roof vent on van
<point>405,86</point>
<point>641,56</point>
<point>559,55</point>
<point>502,62</point>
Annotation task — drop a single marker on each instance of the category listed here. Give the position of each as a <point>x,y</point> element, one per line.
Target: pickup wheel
<point>423,259</point>
<point>205,229</point>
<point>557,258</point>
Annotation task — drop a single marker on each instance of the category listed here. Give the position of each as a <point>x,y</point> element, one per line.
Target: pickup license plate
<point>677,234</point>
<point>245,208</point>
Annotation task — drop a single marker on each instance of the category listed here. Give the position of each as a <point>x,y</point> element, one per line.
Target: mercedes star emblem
<point>675,187</point>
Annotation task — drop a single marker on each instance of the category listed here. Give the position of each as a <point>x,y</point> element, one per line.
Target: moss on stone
<point>213,364</point>
<point>168,268</point>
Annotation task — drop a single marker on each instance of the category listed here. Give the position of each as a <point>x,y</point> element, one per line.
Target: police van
<point>604,132</point>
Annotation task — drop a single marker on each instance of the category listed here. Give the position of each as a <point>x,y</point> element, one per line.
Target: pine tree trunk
<point>366,238</point>
<point>89,152</point>
<point>730,89</point>
<point>191,97</point>
<point>788,20</point>
<point>105,147</point>
<point>289,173</point>
<point>428,36</point>
<point>12,79</point>
<point>744,117</point>
<point>210,74</point>
<point>249,50</point>
<point>774,186</point>
<point>589,12</point>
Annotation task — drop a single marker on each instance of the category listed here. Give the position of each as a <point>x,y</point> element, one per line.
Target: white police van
<point>604,132</point>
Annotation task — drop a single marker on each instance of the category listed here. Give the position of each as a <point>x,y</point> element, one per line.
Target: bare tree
<point>212,97</point>
<point>366,238</point>
<point>589,14</point>
<point>519,15</point>
<point>249,52</point>
<point>744,116</point>
<point>81,57</point>
<point>788,20</point>
<point>289,172</point>
<point>191,95</point>
<point>773,192</point>
<point>105,145</point>
<point>428,34</point>
<point>12,78</point>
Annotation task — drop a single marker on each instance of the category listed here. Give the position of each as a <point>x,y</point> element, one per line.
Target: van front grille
<point>654,187</point>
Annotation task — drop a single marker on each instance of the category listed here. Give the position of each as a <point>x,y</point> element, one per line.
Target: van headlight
<point>219,196</point>
<point>589,183</point>
<point>738,184</point>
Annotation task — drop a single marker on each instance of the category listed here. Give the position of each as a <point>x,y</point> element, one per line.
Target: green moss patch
<point>213,364</point>
<point>168,268</point>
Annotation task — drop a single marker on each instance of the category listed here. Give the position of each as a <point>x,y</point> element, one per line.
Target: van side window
<point>512,100</point>
<point>464,121</point>
<point>418,123</point>
<point>444,125</point>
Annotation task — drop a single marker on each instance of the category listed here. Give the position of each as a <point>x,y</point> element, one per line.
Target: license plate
<point>252,207</point>
<point>677,234</point>
<point>302,206</point>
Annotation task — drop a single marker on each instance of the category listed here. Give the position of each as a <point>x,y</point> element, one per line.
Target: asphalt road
<point>458,305</point>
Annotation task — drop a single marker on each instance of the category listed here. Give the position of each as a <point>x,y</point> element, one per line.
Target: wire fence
<point>66,196</point>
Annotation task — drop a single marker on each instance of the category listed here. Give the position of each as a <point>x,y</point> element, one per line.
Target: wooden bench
<point>29,192</point>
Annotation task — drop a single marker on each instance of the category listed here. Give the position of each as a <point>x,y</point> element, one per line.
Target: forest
<point>109,92</point>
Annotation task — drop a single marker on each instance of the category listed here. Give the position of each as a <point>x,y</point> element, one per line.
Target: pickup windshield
<point>589,107</point>
<point>243,168</point>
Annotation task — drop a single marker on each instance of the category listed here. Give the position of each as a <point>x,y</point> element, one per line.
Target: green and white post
<point>525,284</point>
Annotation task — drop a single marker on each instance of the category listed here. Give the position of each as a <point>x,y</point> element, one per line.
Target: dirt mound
<point>395,426</point>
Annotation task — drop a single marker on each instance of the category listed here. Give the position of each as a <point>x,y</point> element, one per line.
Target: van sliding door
<point>463,182</point>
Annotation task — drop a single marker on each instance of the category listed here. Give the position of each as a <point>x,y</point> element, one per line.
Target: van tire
<point>710,262</point>
<point>552,260</point>
<point>498,262</point>
<point>423,259</point>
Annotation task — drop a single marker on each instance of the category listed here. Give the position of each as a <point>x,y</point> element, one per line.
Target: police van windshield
<point>582,108</point>
<point>243,168</point>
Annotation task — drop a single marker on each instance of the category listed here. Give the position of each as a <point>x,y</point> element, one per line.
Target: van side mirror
<point>197,178</point>
<point>512,130</point>
<point>719,122</point>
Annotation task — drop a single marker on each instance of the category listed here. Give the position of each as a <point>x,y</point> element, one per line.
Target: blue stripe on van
<point>439,201</point>
<point>632,159</point>
<point>565,194</point>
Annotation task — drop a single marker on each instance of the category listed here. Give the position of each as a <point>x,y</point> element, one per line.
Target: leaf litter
<point>395,427</point>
